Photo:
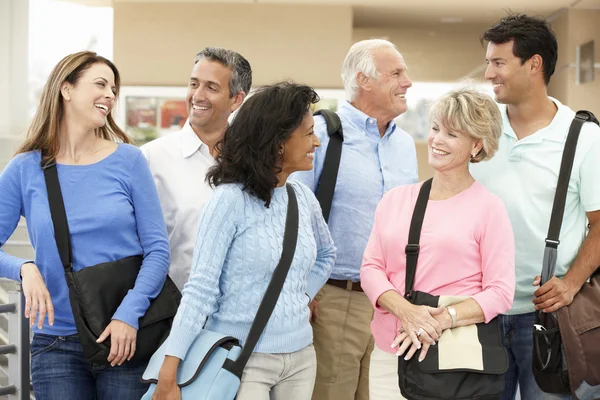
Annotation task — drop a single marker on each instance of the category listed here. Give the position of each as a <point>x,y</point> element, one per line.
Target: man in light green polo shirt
<point>521,56</point>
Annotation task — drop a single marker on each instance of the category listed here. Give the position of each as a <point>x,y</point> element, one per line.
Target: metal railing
<point>17,349</point>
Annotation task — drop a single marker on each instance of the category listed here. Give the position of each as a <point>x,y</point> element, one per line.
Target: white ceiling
<point>390,13</point>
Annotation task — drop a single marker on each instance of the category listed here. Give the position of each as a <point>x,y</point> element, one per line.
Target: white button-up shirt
<point>179,163</point>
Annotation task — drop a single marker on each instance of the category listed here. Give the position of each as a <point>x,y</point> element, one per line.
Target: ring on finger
<point>420,332</point>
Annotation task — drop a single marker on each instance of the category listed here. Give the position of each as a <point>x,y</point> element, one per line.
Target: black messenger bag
<point>468,362</point>
<point>97,291</point>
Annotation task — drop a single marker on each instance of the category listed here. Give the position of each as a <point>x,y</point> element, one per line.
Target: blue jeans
<point>517,337</point>
<point>60,371</point>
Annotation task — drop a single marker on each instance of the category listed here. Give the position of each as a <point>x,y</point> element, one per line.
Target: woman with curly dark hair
<point>239,244</point>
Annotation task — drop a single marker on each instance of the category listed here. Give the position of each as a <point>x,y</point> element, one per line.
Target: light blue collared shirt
<point>370,166</point>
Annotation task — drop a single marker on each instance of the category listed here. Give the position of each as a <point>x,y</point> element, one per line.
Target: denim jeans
<point>517,337</point>
<point>60,371</point>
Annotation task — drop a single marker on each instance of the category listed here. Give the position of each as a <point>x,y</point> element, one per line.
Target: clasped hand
<point>420,330</point>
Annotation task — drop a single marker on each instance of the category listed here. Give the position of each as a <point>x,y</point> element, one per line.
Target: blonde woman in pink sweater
<point>466,243</point>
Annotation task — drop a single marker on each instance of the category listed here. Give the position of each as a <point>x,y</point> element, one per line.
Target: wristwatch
<point>452,313</point>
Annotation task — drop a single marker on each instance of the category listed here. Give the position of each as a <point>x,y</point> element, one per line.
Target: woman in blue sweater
<point>113,212</point>
<point>239,245</point>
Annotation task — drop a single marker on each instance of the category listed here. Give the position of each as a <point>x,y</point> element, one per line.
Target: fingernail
<point>420,359</point>
<point>406,358</point>
<point>398,353</point>
<point>419,346</point>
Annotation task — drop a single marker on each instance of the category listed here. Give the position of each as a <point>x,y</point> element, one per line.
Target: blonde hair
<point>43,132</point>
<point>472,113</point>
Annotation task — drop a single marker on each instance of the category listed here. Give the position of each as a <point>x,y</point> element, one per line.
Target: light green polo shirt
<point>524,174</point>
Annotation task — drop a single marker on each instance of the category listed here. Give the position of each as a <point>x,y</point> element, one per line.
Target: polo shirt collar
<point>556,131</point>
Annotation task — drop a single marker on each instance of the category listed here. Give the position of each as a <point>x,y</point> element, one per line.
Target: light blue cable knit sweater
<point>238,246</point>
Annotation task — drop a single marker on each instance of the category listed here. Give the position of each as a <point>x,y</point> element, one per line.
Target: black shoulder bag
<point>96,292</point>
<point>331,165</point>
<point>468,362</point>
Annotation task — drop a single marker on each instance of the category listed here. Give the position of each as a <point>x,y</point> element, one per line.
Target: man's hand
<point>313,306</point>
<point>554,294</point>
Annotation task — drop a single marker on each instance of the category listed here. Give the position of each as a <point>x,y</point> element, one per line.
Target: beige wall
<point>436,53</point>
<point>155,43</point>
<point>574,28</point>
<point>558,83</point>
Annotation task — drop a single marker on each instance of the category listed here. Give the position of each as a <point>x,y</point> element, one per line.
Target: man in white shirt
<point>521,56</point>
<point>219,82</point>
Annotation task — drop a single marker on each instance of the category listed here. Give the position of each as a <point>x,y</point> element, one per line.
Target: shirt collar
<point>190,142</point>
<point>556,131</point>
<point>362,120</point>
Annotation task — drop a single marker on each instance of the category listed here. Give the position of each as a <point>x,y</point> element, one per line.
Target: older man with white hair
<point>376,156</point>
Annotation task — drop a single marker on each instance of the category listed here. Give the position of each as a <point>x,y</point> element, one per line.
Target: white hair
<point>360,59</point>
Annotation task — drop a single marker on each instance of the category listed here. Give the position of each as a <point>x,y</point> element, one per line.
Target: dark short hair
<point>241,72</point>
<point>249,151</point>
<point>530,36</point>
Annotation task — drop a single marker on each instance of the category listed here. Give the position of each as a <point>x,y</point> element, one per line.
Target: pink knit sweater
<point>467,249</point>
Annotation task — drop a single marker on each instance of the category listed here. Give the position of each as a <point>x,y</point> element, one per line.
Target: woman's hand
<point>420,324</point>
<point>37,297</point>
<point>444,319</point>
<point>405,343</point>
<point>166,390</point>
<point>313,308</point>
<point>122,341</point>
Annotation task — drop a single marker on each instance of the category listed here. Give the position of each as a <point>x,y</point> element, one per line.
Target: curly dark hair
<point>531,36</point>
<point>249,152</point>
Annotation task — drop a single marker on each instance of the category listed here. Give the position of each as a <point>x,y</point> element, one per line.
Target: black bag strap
<point>414,236</point>
<point>58,214</point>
<point>560,197</point>
<point>267,305</point>
<point>331,165</point>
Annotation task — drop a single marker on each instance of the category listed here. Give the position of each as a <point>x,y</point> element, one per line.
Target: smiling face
<point>208,99</point>
<point>450,150</point>
<point>388,91</point>
<point>510,78</point>
<point>299,149</point>
<point>92,97</point>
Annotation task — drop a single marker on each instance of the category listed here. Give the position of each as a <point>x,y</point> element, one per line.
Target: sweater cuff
<point>15,267</point>
<point>179,342</point>
<point>314,284</point>
<point>487,306</point>
<point>132,308</point>
<point>375,294</point>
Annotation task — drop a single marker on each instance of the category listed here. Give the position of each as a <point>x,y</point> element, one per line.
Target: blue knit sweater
<point>238,247</point>
<point>113,212</point>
